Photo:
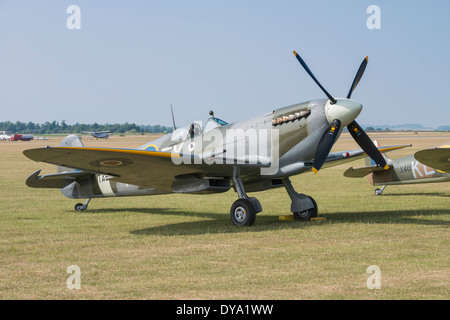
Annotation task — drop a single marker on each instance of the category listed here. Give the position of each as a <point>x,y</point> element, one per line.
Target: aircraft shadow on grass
<point>218,223</point>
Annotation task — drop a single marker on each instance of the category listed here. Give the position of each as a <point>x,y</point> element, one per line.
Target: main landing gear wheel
<point>307,214</point>
<point>243,213</point>
<point>80,207</point>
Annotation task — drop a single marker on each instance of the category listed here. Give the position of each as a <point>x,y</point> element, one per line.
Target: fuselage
<point>288,136</point>
<point>407,170</point>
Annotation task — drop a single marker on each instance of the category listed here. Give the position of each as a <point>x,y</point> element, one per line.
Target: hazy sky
<point>131,59</point>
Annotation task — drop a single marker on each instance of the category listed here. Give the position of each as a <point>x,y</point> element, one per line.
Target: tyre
<point>307,214</point>
<point>79,207</point>
<point>243,213</point>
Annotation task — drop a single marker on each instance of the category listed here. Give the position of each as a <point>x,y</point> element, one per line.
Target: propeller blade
<point>358,76</point>
<point>326,143</point>
<point>305,66</point>
<point>366,144</point>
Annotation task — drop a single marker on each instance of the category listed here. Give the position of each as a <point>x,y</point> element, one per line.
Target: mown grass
<point>185,247</point>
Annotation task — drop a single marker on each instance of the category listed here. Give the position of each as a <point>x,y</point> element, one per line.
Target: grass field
<point>185,247</point>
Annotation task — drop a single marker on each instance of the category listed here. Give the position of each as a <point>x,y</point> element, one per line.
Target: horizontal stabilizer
<point>58,180</point>
<point>438,158</point>
<point>362,172</point>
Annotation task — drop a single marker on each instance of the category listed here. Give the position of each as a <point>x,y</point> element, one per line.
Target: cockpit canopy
<point>213,123</point>
<point>191,131</point>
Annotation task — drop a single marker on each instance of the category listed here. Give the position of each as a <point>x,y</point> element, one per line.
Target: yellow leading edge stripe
<point>127,151</point>
<point>177,155</point>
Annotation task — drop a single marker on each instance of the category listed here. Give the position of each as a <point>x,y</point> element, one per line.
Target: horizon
<point>367,127</point>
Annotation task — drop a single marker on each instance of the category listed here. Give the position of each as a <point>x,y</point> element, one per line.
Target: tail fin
<point>72,140</point>
<point>370,162</point>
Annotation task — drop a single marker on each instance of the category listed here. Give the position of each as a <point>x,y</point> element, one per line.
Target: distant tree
<point>56,127</point>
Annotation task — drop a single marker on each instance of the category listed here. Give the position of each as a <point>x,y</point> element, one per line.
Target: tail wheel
<point>243,213</point>
<point>307,214</point>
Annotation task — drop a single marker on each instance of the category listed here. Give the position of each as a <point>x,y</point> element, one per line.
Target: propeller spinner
<point>343,112</point>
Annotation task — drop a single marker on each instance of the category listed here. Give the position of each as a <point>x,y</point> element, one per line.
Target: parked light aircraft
<point>424,166</point>
<point>99,134</point>
<point>249,156</point>
<point>5,137</point>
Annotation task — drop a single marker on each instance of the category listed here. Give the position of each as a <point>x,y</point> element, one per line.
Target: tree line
<point>55,127</point>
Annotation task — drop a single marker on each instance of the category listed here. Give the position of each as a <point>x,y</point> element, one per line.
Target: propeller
<point>349,109</point>
<point>326,143</point>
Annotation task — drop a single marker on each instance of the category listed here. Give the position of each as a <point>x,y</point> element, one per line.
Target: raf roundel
<point>151,147</point>
<point>111,163</point>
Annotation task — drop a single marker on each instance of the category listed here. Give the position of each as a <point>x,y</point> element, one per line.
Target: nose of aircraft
<point>344,110</point>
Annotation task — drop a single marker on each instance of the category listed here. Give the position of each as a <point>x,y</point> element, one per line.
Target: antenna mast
<point>173,118</point>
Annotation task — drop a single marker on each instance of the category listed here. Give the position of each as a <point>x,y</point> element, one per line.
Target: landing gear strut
<point>82,207</point>
<point>379,192</point>
<point>243,211</point>
<point>303,207</point>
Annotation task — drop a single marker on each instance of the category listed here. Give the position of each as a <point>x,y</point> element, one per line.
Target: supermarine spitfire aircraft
<point>209,159</point>
<point>424,166</point>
